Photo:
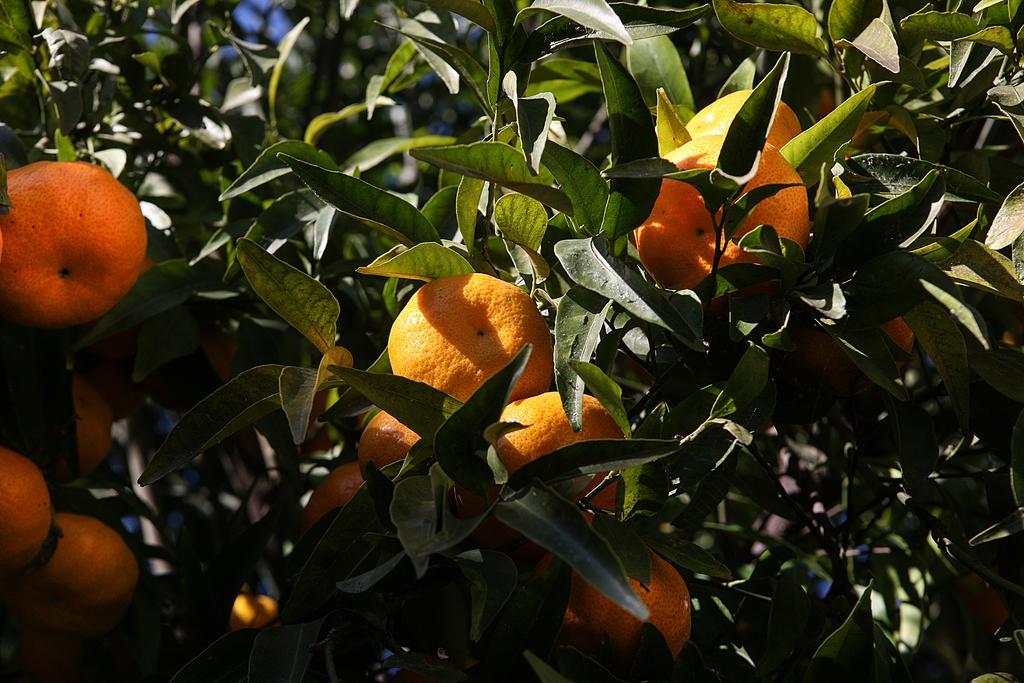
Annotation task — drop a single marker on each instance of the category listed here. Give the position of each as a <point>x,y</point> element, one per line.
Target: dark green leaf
<point>426,261</point>
<point>823,142</point>
<point>591,457</point>
<point>492,578</point>
<point>554,523</point>
<point>283,653</point>
<point>782,28</point>
<point>304,303</point>
<point>848,653</point>
<point>581,181</point>
<point>226,659</point>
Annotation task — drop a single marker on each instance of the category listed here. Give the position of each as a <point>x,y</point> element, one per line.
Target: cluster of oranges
<point>74,242</point>
<point>453,334</point>
<point>677,242</point>
<point>64,577</point>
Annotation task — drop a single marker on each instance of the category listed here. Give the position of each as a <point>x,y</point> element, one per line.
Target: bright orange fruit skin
<point>25,513</point>
<point>74,243</point>
<point>93,420</point>
<point>589,615</point>
<point>253,611</point>
<point>335,491</point>
<point>385,440</point>
<point>456,332</point>
<point>677,241</point>
<point>546,429</point>
<point>50,656</point>
<point>86,586</point>
<point>716,118</point>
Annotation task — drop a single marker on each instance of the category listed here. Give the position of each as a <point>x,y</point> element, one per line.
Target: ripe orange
<point>456,332</point>
<point>335,491</point>
<point>50,656</point>
<point>677,241</point>
<point>818,359</point>
<point>112,379</point>
<point>253,611</point>
<point>93,420</point>
<point>546,429</point>
<point>25,513</point>
<point>982,601</point>
<point>590,616</point>
<point>716,118</point>
<point>74,243</point>
<point>86,586</point>
<point>385,440</point>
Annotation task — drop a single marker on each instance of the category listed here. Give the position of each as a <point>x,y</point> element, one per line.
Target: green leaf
<point>740,156</point>
<point>746,383</point>
<point>588,263</point>
<point>593,456</point>
<point>492,579</point>
<point>521,219</point>
<point>978,266</point>
<point>869,351</point>
<point>1008,224</point>
<point>283,653</point>
<point>161,288</point>
<point>789,613</point>
<point>578,321</point>
<point>633,137</point>
<point>896,174</point>
<point>284,49</point>
<point>227,658</point>
<point>375,152</point>
<point>848,653</point>
<point>671,129</point>
<point>689,556</point>
<point>998,37</point>
<point>162,338</point>
<point>1012,524</point>
<point>458,441</point>
<point>498,163</point>
<point>544,671</point>
<point>556,524</point>
<point>427,261</point>
<point>471,9</point>
<point>581,181</point>
<point>1003,369</point>
<point>655,63</point>
<point>443,56</point>
<point>467,202</point>
<point>593,14</point>
<point>627,544</point>
<point>297,388</point>
<point>397,62</point>
<point>781,28</point>
<point>822,142</point>
<point>877,43</point>
<point>269,166</point>
<point>1017,461</point>
<point>916,444</point>
<point>939,26</point>
<point>418,406</point>
<point>366,203</point>
<point>847,18</point>
<point>415,515</point>
<point>246,397</point>
<point>941,339</point>
<point>533,120</point>
<point>605,389</point>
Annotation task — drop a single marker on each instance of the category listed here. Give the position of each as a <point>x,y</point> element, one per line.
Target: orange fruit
<point>590,616</point>
<point>545,430</point>
<point>25,513</point>
<point>982,601</point>
<point>716,118</point>
<point>677,241</point>
<point>112,379</point>
<point>50,656</point>
<point>93,420</point>
<point>86,586</point>
<point>385,440</point>
<point>335,491</point>
<point>117,346</point>
<point>253,611</point>
<point>818,359</point>
<point>456,332</point>
<point>74,243</point>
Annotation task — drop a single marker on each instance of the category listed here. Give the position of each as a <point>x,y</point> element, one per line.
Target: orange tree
<point>618,342</point>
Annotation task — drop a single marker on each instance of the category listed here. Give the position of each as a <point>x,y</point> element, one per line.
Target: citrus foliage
<point>803,457</point>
